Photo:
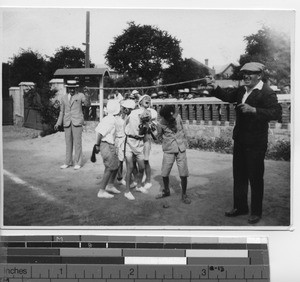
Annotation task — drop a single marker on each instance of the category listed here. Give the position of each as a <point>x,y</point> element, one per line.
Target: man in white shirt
<point>256,105</point>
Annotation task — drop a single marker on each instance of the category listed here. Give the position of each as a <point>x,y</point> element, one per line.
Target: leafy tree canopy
<point>271,48</point>
<point>29,66</point>
<point>184,70</point>
<point>143,52</point>
<point>66,57</point>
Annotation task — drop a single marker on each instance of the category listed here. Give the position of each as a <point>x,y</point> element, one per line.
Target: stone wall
<point>225,131</point>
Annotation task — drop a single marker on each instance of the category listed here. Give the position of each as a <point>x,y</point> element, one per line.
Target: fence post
<point>232,114</point>
<point>199,113</point>
<point>58,85</point>
<point>207,114</point>
<point>215,114</point>
<point>285,115</point>
<point>192,115</point>
<point>184,113</point>
<point>223,109</point>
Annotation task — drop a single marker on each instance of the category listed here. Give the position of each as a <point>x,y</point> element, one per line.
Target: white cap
<point>130,104</point>
<point>113,107</point>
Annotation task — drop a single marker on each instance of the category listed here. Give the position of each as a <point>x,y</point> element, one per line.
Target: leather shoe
<point>235,212</point>
<point>254,219</point>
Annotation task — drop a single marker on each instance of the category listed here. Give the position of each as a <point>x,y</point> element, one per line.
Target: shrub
<point>223,145</point>
<point>279,150</point>
<point>219,144</point>
<point>41,100</point>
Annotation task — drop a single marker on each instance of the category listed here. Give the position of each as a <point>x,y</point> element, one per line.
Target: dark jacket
<point>252,129</point>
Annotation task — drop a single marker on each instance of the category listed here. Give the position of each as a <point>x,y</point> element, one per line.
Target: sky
<point>213,34</point>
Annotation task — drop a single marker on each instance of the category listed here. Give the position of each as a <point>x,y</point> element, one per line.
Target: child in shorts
<point>126,107</point>
<point>170,128</point>
<point>105,144</point>
<point>145,105</point>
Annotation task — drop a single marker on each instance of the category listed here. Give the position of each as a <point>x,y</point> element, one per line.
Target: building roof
<point>82,71</point>
<point>222,68</point>
<point>212,71</point>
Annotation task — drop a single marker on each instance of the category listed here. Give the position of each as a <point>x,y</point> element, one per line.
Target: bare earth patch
<point>50,196</point>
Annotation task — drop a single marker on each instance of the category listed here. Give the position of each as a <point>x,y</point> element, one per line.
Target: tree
<point>184,70</point>
<point>143,52</point>
<point>66,57</point>
<point>271,48</point>
<point>29,66</point>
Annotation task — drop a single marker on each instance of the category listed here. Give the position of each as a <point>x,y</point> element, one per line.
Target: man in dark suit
<point>71,117</point>
<point>256,105</point>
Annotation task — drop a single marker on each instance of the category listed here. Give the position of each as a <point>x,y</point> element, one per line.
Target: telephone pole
<point>87,41</point>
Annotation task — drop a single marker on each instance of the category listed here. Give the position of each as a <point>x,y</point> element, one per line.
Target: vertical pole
<point>87,42</point>
<point>101,96</point>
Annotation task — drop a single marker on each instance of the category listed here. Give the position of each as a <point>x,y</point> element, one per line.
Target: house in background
<point>224,71</point>
<point>221,74</point>
<point>205,65</point>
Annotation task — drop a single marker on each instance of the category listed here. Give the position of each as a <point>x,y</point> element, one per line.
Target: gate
<point>7,111</point>
<point>32,117</point>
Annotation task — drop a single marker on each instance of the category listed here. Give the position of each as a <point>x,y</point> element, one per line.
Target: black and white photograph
<point>147,117</point>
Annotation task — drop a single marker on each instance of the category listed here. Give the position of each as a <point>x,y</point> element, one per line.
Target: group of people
<point>126,132</point>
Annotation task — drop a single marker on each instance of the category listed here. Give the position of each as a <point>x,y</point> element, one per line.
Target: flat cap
<point>253,66</point>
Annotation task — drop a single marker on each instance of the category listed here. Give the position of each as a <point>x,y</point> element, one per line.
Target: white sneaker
<point>112,189</point>
<point>104,194</point>
<point>148,185</point>
<point>142,190</point>
<point>129,196</point>
<point>64,166</point>
<point>76,167</point>
<point>121,182</point>
<point>133,184</point>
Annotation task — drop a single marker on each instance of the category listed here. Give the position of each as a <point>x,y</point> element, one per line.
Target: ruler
<point>133,259</point>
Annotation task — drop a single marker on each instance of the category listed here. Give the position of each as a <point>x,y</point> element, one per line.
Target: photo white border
<point>284,247</point>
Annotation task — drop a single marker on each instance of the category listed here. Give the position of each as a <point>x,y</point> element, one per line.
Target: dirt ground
<point>38,193</point>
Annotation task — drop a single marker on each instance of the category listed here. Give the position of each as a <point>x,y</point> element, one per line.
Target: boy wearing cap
<point>134,149</point>
<point>174,143</point>
<point>145,103</point>
<point>71,117</point>
<point>126,107</point>
<point>105,144</point>
<point>256,105</point>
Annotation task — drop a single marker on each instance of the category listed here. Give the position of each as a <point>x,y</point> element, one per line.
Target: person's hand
<point>56,127</point>
<point>97,149</point>
<point>246,109</point>
<point>210,81</point>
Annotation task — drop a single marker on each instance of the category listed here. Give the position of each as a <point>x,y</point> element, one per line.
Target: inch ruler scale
<point>133,259</point>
